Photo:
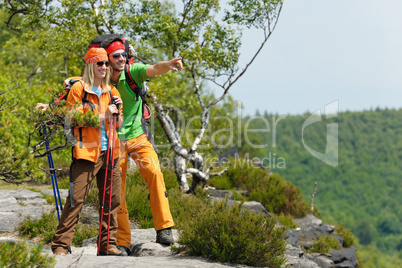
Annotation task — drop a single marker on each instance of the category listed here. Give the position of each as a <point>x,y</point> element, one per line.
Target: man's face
<point>118,59</point>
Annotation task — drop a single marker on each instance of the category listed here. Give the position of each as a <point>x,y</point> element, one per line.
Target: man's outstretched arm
<point>163,67</point>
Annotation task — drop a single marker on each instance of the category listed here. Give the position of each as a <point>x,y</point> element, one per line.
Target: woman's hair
<point>88,76</point>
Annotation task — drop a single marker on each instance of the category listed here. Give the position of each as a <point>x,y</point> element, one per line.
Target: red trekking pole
<point>112,129</point>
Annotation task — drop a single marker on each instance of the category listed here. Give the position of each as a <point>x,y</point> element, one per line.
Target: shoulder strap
<point>131,82</point>
<point>85,98</point>
<point>110,97</point>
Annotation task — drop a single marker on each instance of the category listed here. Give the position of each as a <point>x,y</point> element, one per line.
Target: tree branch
<point>162,117</point>
<point>98,26</point>
<point>186,9</point>
<point>256,54</point>
<point>312,197</point>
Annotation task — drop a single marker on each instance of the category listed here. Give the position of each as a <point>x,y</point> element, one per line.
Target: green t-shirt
<point>132,106</point>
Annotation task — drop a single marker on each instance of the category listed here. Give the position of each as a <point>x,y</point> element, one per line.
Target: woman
<point>92,92</point>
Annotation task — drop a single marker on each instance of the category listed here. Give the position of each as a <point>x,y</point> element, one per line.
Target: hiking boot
<point>126,249</point>
<point>114,251</point>
<point>164,236</point>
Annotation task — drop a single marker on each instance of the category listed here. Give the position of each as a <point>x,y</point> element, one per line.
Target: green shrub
<point>93,196</point>
<point>50,199</point>
<point>286,221</point>
<point>84,231</point>
<point>232,235</point>
<point>185,206</point>
<point>45,227</point>
<point>275,193</point>
<point>223,182</point>
<point>324,244</point>
<point>348,238</point>
<point>138,205</point>
<point>22,255</point>
<point>64,183</point>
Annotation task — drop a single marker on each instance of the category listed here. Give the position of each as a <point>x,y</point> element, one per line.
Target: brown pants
<point>83,173</point>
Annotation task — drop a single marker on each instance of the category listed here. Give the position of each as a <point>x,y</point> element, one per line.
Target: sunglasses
<point>100,63</point>
<point>117,55</point>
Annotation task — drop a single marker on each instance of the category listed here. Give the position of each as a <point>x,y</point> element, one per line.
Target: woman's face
<point>100,69</point>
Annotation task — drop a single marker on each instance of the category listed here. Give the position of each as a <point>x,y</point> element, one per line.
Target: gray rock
<point>255,207</point>
<point>345,264</point>
<point>305,244</point>
<point>89,215</point>
<point>250,205</point>
<point>16,205</point>
<point>327,228</point>
<point>296,258</point>
<point>323,260</point>
<point>307,221</point>
<point>221,193</point>
<point>139,236</point>
<point>292,236</point>
<point>345,257</point>
<point>63,193</point>
<point>90,242</point>
<point>310,228</point>
<point>150,249</point>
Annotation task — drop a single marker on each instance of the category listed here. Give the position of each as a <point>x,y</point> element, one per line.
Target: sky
<point>325,51</point>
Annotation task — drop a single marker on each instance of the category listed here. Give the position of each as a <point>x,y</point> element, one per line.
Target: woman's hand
<point>111,109</point>
<point>117,101</point>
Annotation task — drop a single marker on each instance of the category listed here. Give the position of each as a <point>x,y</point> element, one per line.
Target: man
<point>135,143</point>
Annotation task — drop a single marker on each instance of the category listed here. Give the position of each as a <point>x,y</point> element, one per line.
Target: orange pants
<point>146,159</point>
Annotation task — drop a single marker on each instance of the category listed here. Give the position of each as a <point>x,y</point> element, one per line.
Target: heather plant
<point>50,199</point>
<point>232,234</point>
<point>21,255</point>
<point>348,237</point>
<point>275,193</point>
<point>324,244</point>
<point>286,221</point>
<point>45,227</point>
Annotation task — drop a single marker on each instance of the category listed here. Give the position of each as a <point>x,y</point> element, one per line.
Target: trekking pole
<point>53,175</point>
<point>114,119</point>
<point>104,188</point>
<point>53,178</point>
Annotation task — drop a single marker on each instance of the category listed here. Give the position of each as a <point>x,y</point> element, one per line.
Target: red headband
<point>115,46</point>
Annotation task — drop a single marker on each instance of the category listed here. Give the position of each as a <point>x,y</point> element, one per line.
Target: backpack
<point>98,40</point>
<point>68,84</point>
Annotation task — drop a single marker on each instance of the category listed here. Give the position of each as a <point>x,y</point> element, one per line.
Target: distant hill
<point>364,190</point>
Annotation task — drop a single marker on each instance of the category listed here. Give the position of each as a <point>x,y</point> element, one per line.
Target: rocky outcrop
<point>308,229</point>
<point>18,204</point>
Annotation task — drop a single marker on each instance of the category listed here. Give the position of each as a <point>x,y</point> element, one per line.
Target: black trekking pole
<point>53,178</point>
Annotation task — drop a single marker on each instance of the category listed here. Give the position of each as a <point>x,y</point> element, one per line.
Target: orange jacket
<point>88,142</point>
